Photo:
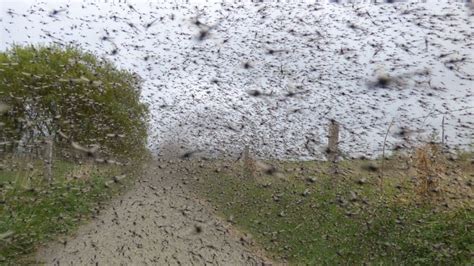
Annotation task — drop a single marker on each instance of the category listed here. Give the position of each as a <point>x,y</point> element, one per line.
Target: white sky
<point>179,70</point>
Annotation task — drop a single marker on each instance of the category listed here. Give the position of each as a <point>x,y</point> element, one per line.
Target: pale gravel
<point>154,223</point>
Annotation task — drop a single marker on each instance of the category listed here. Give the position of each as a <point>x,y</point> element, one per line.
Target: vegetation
<point>70,95</point>
<point>304,215</point>
<point>33,211</point>
<point>93,114</point>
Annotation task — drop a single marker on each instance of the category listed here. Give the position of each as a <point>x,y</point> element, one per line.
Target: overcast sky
<point>330,53</point>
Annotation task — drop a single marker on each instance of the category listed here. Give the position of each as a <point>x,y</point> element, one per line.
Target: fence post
<point>249,164</point>
<point>48,159</point>
<point>333,141</point>
<point>442,135</point>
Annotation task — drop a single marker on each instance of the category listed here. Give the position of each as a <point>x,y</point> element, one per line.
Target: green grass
<point>35,212</point>
<point>383,224</point>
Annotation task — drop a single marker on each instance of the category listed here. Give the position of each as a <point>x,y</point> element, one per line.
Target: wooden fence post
<point>48,159</point>
<point>249,164</point>
<point>333,141</point>
<point>442,135</point>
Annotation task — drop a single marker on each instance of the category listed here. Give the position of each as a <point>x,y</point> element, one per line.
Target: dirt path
<point>156,223</point>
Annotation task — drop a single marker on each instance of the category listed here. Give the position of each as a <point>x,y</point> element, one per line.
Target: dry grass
<point>441,180</point>
<point>430,166</point>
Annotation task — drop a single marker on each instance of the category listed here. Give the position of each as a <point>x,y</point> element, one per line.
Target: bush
<point>72,96</point>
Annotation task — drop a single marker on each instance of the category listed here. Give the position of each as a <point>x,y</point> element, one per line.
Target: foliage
<point>71,95</point>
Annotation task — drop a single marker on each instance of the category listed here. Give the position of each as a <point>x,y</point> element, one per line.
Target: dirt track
<point>158,222</point>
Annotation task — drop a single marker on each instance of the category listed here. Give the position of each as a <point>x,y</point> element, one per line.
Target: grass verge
<point>303,215</point>
<point>33,212</point>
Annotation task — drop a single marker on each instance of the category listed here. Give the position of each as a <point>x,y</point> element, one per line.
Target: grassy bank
<point>305,215</point>
<point>33,212</point>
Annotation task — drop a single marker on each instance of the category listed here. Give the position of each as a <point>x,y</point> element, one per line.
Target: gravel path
<point>159,222</point>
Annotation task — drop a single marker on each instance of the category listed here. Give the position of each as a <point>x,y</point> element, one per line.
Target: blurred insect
<point>247,65</point>
<point>55,12</point>
<point>369,167</point>
<point>91,152</point>
<point>188,154</point>
<point>204,29</point>
<point>198,229</point>
<point>150,24</point>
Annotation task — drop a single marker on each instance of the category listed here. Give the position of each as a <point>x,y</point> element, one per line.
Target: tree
<point>71,96</point>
